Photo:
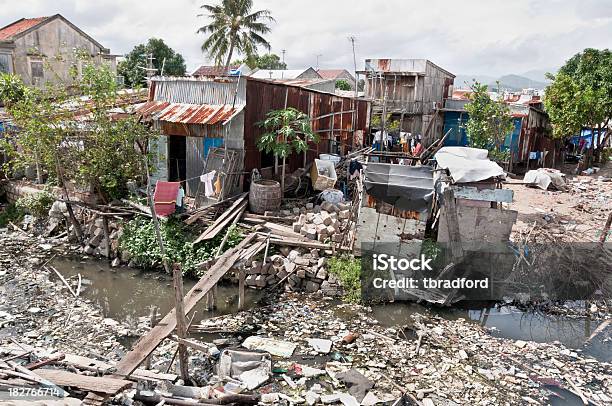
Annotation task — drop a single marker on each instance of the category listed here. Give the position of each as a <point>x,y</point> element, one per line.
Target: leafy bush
<point>36,204</point>
<point>140,241</point>
<point>11,213</point>
<point>348,272</point>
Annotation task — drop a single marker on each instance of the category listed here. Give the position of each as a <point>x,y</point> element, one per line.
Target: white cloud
<point>472,36</point>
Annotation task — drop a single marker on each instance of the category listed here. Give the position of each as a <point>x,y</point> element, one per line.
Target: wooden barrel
<point>265,195</point>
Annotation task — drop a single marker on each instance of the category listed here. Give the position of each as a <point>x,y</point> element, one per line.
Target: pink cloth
<point>164,197</point>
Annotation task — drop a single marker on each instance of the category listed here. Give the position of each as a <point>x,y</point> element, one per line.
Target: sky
<point>478,37</point>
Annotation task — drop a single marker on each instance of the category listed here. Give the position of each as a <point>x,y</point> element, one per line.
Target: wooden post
<point>152,323</point>
<point>606,230</point>
<point>107,251</point>
<point>160,241</point>
<point>181,323</point>
<point>452,222</point>
<point>241,283</point>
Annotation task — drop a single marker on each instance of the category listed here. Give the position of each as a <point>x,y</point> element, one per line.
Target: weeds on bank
<point>348,272</point>
<point>140,241</point>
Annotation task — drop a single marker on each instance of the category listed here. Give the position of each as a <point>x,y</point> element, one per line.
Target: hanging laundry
<point>218,186</point>
<point>207,179</point>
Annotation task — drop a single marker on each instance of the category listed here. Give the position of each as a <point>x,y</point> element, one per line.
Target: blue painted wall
<point>455,121</point>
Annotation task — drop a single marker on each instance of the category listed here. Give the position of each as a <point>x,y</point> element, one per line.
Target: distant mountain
<point>516,82</point>
<point>510,82</point>
<point>464,81</point>
<point>539,75</point>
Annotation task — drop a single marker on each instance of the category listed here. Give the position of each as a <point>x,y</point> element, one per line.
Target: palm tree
<point>234,27</point>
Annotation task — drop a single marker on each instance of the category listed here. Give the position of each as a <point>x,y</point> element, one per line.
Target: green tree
<point>12,89</point>
<point>568,105</point>
<point>580,95</point>
<point>132,70</point>
<point>287,130</point>
<point>234,27</point>
<point>266,61</point>
<point>343,84</point>
<point>98,152</point>
<point>490,121</point>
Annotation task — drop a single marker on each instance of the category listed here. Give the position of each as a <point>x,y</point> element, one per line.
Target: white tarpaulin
<point>543,177</point>
<point>467,164</point>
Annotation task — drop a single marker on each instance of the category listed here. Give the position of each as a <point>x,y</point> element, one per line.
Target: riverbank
<point>453,361</point>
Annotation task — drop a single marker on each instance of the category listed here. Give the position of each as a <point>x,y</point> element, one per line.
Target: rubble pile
<point>301,270</point>
<point>315,346</point>
<point>325,222</point>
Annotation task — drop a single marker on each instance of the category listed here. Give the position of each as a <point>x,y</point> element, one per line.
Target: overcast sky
<point>486,37</point>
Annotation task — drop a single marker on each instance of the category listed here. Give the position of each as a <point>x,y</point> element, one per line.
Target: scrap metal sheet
<point>404,187</point>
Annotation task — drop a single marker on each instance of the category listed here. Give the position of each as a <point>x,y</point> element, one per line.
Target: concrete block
<point>301,273</point>
<point>312,286</point>
<point>326,218</point>
<point>344,214</point>
<point>260,281</point>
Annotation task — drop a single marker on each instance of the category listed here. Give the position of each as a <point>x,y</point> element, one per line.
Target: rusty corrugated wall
<point>332,119</point>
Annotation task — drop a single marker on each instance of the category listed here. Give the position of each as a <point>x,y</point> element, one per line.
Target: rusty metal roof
<point>19,26</point>
<point>186,113</point>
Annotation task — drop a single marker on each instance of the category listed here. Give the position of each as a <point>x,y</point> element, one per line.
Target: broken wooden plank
<point>91,364</point>
<point>285,231</point>
<point>296,243</point>
<point>147,344</point>
<point>203,211</point>
<point>487,195</point>
<point>181,322</point>
<point>223,220</point>
<point>84,382</point>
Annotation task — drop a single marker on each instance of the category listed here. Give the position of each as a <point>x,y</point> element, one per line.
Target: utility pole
<point>318,55</point>
<point>283,51</point>
<point>352,39</point>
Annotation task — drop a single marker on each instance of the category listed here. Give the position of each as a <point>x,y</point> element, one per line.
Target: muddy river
<point>126,294</point>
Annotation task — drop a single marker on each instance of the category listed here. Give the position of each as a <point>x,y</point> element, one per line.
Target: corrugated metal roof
<point>186,113</point>
<point>200,90</point>
<point>278,73</point>
<point>19,26</point>
<point>331,73</point>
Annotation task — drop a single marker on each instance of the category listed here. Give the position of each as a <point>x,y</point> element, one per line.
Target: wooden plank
<point>452,224</point>
<point>147,344</point>
<point>181,322</point>
<point>223,220</point>
<point>487,195</point>
<point>296,243</point>
<point>285,231</point>
<point>140,374</point>
<point>84,382</point>
<point>201,212</point>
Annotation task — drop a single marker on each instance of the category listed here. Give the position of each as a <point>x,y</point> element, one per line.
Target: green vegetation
<point>343,84</point>
<point>131,68</point>
<point>266,61</point>
<point>140,241</point>
<point>348,272</point>
<point>286,130</point>
<point>580,95</point>
<point>490,122</point>
<point>37,204</point>
<point>10,214</point>
<point>98,154</point>
<point>390,124</point>
<point>234,27</point>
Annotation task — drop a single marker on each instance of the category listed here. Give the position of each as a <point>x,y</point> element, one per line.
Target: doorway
<point>177,158</point>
